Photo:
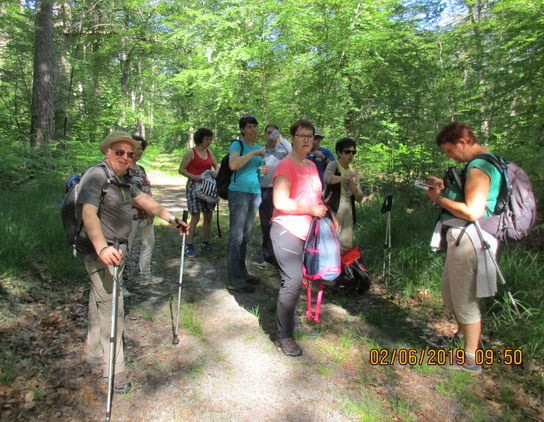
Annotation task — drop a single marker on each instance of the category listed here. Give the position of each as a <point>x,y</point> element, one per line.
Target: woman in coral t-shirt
<point>297,199</point>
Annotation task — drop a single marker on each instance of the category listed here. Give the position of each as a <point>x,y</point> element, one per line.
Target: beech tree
<point>42,86</point>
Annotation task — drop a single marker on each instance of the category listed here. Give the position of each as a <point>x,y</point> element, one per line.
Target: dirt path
<point>232,371</point>
<point>225,367</point>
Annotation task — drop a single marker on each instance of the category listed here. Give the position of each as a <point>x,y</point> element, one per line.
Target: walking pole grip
<point>387,204</point>
<point>184,218</point>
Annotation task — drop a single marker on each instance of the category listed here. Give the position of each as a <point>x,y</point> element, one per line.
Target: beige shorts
<point>459,279</point>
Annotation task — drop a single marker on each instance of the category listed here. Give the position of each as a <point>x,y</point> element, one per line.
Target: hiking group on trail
<point>290,183</point>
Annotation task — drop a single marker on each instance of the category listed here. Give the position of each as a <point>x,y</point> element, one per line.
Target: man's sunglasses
<point>120,153</point>
<point>350,151</point>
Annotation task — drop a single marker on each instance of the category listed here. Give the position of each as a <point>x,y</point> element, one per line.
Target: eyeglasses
<point>350,151</point>
<point>306,137</point>
<point>120,153</point>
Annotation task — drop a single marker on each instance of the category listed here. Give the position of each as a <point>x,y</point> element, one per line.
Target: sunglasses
<point>120,153</point>
<point>350,151</point>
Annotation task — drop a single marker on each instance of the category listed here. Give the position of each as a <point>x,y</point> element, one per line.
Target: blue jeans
<point>242,209</point>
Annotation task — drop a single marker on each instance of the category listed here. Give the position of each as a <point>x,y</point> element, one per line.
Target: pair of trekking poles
<point>113,330</point>
<point>386,209</point>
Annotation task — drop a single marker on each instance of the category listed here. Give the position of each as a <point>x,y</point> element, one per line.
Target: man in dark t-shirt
<point>106,217</point>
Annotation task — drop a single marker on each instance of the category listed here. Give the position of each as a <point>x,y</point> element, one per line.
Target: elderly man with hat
<point>319,155</point>
<point>104,204</point>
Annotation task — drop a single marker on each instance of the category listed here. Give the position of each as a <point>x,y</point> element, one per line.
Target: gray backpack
<point>515,212</point>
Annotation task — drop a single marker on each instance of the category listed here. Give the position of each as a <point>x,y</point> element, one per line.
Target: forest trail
<point>226,367</point>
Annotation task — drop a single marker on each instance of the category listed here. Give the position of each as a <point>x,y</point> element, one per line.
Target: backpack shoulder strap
<point>498,162</point>
<point>241,145</point>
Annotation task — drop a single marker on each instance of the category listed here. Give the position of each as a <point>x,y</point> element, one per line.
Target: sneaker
<point>209,246</point>
<point>244,288</point>
<point>469,366</point>
<point>252,280</point>
<point>149,280</point>
<point>288,346</point>
<point>121,384</point>
<point>126,293</point>
<point>190,251</point>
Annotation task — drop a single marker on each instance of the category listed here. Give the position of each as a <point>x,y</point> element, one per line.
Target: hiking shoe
<point>121,383</point>
<point>244,288</point>
<point>252,280</point>
<point>126,293</point>
<point>190,251</point>
<point>93,361</point>
<point>149,280</point>
<point>469,366</point>
<point>288,346</point>
<point>209,246</point>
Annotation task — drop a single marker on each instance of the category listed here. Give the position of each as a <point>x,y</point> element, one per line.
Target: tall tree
<point>42,87</point>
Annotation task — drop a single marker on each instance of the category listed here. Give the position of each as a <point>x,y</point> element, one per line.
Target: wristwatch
<point>175,220</point>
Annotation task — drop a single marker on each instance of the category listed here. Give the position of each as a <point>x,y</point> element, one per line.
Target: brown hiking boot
<point>288,346</point>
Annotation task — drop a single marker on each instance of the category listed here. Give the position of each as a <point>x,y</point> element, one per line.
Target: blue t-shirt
<point>246,179</point>
<point>319,162</point>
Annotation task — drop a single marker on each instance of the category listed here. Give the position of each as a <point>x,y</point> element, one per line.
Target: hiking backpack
<point>224,174</point>
<point>70,220</point>
<point>321,261</point>
<point>515,212</point>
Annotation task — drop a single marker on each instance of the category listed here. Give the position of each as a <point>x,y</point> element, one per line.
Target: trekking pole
<point>487,247</point>
<point>113,334</point>
<point>386,209</point>
<point>184,229</point>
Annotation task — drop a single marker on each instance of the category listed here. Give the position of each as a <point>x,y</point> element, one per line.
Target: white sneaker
<point>148,280</point>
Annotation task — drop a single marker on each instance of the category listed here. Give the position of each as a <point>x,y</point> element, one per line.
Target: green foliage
<point>32,233</point>
<point>388,74</point>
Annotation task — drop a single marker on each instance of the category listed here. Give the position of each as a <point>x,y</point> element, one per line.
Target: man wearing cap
<point>104,204</point>
<point>319,155</point>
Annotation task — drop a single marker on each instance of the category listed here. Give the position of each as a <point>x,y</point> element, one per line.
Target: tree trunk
<point>41,127</point>
<point>63,73</point>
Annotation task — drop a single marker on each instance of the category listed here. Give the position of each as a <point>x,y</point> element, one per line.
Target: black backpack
<point>515,212</point>
<point>70,220</point>
<point>355,279</point>
<point>222,180</point>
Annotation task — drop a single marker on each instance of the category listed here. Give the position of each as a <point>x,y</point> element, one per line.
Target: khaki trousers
<point>100,298</point>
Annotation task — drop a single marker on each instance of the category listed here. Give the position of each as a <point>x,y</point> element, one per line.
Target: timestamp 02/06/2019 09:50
<point>387,357</point>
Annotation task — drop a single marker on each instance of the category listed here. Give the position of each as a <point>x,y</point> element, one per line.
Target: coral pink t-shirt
<point>305,189</point>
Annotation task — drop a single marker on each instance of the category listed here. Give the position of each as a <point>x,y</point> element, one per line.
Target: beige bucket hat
<point>117,137</point>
